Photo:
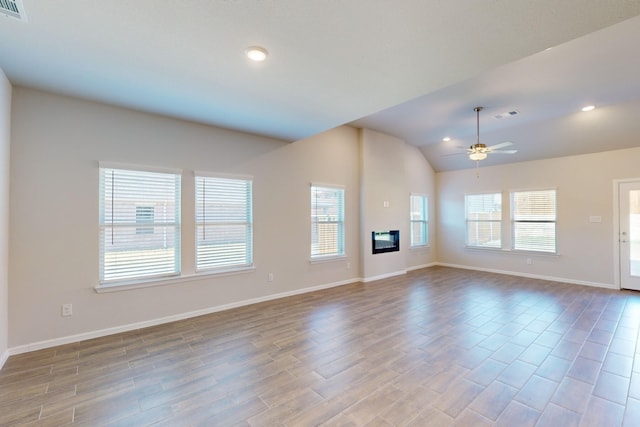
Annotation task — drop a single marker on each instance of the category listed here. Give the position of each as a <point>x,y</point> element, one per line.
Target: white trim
<point>529,189</point>
<point>324,185</point>
<point>133,326</point>
<point>617,280</point>
<point>4,357</point>
<point>384,276</point>
<point>531,276</point>
<point>489,249</point>
<point>420,267</point>
<point>141,168</point>
<point>139,284</point>
<point>418,247</point>
<point>328,258</point>
<point>182,316</point>
<point>617,275</point>
<point>478,193</point>
<point>223,175</point>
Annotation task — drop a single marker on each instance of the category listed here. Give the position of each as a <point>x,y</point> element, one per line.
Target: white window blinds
<point>139,224</point>
<point>327,221</point>
<point>534,220</point>
<point>224,223</point>
<point>484,220</point>
<point>419,218</point>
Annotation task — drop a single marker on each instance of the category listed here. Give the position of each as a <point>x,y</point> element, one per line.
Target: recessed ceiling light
<point>446,139</point>
<point>256,53</point>
<point>588,108</point>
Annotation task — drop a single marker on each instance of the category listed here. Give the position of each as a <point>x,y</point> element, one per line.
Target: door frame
<point>617,281</point>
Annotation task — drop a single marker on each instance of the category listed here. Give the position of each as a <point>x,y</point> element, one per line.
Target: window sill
<point>331,258</point>
<point>140,284</point>
<point>419,247</point>
<point>512,251</point>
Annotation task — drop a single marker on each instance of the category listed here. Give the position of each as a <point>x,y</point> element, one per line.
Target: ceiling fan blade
<point>503,151</point>
<point>452,154</point>
<point>502,144</point>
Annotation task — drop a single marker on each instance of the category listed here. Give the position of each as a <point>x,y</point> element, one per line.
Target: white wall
<point>382,181</point>
<point>390,171</point>
<point>5,136</point>
<point>421,179</point>
<point>57,142</point>
<point>584,188</point>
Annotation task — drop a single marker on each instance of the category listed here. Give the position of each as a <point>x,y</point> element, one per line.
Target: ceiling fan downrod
<point>477,110</point>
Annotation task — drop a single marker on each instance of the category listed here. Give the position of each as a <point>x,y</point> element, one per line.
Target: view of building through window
<point>139,224</point>
<point>224,222</point>
<point>327,221</point>
<point>419,220</point>
<point>484,220</point>
<point>534,220</point>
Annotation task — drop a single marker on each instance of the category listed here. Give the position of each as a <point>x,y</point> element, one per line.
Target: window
<point>128,198</point>
<point>224,223</point>
<point>419,220</point>
<point>484,220</point>
<point>327,222</point>
<point>144,215</point>
<point>534,220</point>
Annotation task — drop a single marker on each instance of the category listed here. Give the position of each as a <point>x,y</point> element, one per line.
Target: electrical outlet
<point>67,309</point>
<point>270,277</point>
<point>529,261</point>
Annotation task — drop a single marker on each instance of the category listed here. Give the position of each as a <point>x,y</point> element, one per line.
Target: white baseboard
<point>154,322</point>
<point>531,276</point>
<point>384,276</point>
<point>420,267</point>
<point>3,358</point>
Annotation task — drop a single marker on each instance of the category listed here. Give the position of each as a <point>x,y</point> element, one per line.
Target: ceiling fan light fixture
<point>589,108</point>
<point>477,156</point>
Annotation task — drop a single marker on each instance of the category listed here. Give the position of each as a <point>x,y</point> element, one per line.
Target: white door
<point>629,235</point>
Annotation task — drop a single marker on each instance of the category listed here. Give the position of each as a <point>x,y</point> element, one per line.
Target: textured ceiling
<point>330,62</point>
<point>547,90</point>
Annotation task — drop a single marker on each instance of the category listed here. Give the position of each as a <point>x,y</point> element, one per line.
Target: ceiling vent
<point>13,9</point>
<point>507,114</point>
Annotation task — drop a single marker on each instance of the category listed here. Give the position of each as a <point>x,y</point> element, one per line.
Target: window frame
<point>222,267</point>
<point>515,222</point>
<point>340,234</point>
<point>469,221</point>
<point>423,220</point>
<point>106,274</point>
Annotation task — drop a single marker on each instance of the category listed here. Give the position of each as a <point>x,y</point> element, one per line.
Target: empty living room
<point>345,213</point>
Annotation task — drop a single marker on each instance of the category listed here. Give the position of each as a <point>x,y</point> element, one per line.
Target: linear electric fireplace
<point>385,241</point>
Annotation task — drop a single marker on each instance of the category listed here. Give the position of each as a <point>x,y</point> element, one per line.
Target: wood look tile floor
<point>435,347</point>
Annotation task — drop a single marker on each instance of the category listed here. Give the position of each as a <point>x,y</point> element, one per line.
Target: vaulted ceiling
<point>414,69</point>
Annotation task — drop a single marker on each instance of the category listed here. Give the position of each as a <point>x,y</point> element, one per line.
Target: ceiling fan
<point>479,151</point>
